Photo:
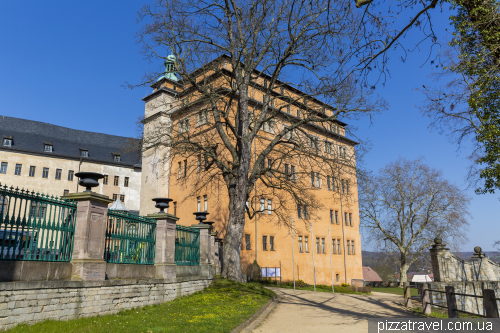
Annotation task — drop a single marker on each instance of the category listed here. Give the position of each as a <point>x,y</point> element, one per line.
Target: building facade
<point>44,158</point>
<point>326,242</point>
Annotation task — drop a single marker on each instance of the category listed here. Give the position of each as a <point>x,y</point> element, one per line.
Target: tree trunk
<point>403,270</point>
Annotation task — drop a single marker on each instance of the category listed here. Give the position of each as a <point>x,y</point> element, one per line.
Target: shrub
<point>345,285</point>
<point>253,271</point>
<point>301,284</point>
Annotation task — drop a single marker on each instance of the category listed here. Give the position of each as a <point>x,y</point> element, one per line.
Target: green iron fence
<point>35,226</point>
<point>130,239</point>
<point>187,245</point>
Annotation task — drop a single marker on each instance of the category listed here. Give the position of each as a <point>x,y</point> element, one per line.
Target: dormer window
<point>47,147</point>
<point>116,157</point>
<point>84,152</point>
<point>7,142</point>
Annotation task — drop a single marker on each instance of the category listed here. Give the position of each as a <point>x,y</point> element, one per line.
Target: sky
<point>67,63</point>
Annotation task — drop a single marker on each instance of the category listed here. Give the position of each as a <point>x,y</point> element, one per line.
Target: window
<point>248,245</point>
<point>323,245</point>
<point>298,113</point>
<point>328,182</point>
<point>338,246</point>
<point>345,219</point>
<point>47,148</point>
<point>205,203</point>
<point>185,167</point>
<point>4,205</point>
<point>264,243</point>
<point>288,109</point>
<point>350,219</point>
<point>38,210</point>
<point>117,158</point>
<point>58,174</point>
<point>198,167</point>
<point>346,187</point>
<point>352,247</point>
<point>286,171</point>
<point>336,217</point>
<point>198,204</point>
<point>318,181</point>
<point>122,198</point>
<point>268,126</point>
<point>317,245</point>
<point>348,247</point>
<point>17,171</point>
<point>342,183</point>
<point>7,142</point>
<point>271,243</point>
<point>306,243</point>
<point>84,153</point>
<point>184,125</point>
<point>292,172</point>
<point>331,216</point>
<point>3,167</point>
<point>116,181</point>
<point>115,196</point>
<point>175,208</point>
<point>262,208</point>
<point>337,277</point>
<point>202,117</point>
<point>66,192</point>
<point>299,211</point>
<point>329,147</point>
<point>45,173</point>
<point>71,173</point>
<point>334,248</point>
<point>32,171</point>
<point>125,183</point>
<point>342,152</point>
<point>334,185</point>
<point>270,167</point>
<point>269,207</point>
<point>300,244</point>
<point>180,170</point>
<point>312,178</point>
<point>314,142</point>
<point>323,109</point>
<point>289,133</point>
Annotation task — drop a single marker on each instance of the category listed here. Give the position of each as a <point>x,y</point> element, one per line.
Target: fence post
<point>165,267</point>
<point>90,235</point>
<point>407,294</point>
<point>451,302</point>
<point>489,304</point>
<point>205,249</point>
<point>426,307</point>
<point>213,234</point>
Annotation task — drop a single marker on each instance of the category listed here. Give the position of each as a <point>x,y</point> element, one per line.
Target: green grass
<point>439,313</point>
<point>319,287</point>
<point>394,290</point>
<point>219,308</point>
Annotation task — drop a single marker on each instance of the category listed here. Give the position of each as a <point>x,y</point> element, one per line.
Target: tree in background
<point>407,205</point>
<point>468,105</point>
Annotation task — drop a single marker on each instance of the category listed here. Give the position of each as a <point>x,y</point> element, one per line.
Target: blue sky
<point>66,63</point>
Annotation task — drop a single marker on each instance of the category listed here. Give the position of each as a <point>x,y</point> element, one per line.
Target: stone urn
<point>162,203</point>
<point>89,179</point>
<point>201,216</point>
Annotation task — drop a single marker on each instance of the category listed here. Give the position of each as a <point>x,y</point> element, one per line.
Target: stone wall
<point>466,276</point>
<point>30,302</point>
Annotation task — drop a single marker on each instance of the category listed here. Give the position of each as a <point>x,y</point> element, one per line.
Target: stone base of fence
<point>30,302</point>
<point>129,271</point>
<point>34,271</point>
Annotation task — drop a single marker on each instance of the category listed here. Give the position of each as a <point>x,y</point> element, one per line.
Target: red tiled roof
<point>370,275</point>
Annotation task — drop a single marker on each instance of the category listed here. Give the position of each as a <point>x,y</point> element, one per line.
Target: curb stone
<point>269,305</point>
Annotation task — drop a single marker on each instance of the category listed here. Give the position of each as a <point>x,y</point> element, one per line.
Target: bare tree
<point>407,205</point>
<point>226,51</point>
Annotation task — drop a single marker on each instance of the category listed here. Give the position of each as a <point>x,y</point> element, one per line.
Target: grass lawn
<point>439,313</point>
<point>319,287</point>
<point>219,308</point>
<point>394,290</point>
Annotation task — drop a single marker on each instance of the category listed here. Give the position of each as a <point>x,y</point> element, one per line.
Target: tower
<point>157,130</point>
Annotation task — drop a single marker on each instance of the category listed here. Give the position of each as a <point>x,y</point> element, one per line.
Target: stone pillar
<point>165,246</point>
<point>212,253</point>
<point>205,250</point>
<point>439,253</point>
<point>90,235</point>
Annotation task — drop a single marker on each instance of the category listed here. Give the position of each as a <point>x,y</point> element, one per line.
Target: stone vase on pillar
<point>90,234</point>
<point>205,246</point>
<point>165,267</point>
